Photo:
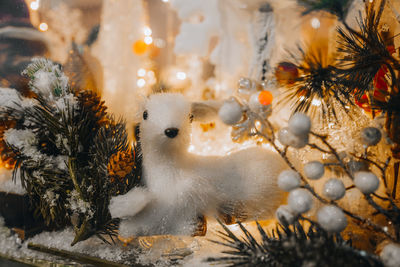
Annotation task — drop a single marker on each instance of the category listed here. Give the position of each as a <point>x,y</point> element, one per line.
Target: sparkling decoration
<point>334,189</point>
<point>390,255</point>
<point>285,215</point>
<point>287,138</point>
<point>332,219</point>
<point>43,26</point>
<point>288,180</point>
<point>230,112</point>
<point>300,200</point>
<point>314,170</point>
<point>286,73</point>
<point>300,124</point>
<point>139,47</point>
<point>366,182</point>
<point>246,85</point>
<point>265,98</point>
<point>370,136</point>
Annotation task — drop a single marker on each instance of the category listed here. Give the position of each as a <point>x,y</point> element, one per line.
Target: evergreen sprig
<point>363,53</point>
<point>290,245</point>
<point>63,165</point>
<point>316,89</point>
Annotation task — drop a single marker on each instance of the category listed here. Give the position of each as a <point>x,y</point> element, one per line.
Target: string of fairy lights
<point>146,46</point>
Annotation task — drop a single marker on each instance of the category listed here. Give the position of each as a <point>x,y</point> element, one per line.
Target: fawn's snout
<point>171,132</point>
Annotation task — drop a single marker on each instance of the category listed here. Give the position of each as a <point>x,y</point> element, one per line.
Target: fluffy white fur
<point>181,186</point>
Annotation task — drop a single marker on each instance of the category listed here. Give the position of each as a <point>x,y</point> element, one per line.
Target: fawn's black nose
<point>171,132</point>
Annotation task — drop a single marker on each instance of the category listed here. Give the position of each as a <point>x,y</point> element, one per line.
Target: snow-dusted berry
<point>287,138</point>
<point>300,124</point>
<point>370,136</point>
<point>366,182</point>
<point>390,255</point>
<point>230,112</point>
<point>314,170</point>
<point>332,219</point>
<point>288,180</point>
<point>300,200</point>
<point>334,189</point>
<point>285,215</point>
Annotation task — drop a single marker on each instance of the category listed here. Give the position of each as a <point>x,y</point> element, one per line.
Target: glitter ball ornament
<point>285,215</point>
<point>300,124</point>
<point>314,170</point>
<point>370,136</point>
<point>300,200</point>
<point>139,47</point>
<point>332,219</point>
<point>287,138</point>
<point>390,255</point>
<point>366,182</point>
<point>288,180</point>
<point>286,73</point>
<point>334,189</point>
<point>230,112</point>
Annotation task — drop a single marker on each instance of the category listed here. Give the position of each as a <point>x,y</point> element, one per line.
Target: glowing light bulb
<point>147,31</point>
<point>35,5</point>
<point>43,27</point>
<point>181,75</point>
<point>148,40</point>
<point>141,72</point>
<point>141,82</point>
<point>315,23</point>
<point>165,1</point>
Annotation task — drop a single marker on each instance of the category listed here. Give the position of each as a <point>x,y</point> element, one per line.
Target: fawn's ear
<point>204,111</point>
<point>137,114</point>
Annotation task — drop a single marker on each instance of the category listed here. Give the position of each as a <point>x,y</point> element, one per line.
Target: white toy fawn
<point>181,186</point>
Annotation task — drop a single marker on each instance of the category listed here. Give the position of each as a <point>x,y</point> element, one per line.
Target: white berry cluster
<point>300,200</point>
<point>297,132</point>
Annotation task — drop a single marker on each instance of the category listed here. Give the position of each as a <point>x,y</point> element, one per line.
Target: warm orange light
<point>139,47</point>
<point>265,98</point>
<point>43,27</point>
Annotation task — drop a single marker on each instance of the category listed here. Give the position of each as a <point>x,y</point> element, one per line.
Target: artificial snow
<point>8,185</point>
<point>158,251</point>
<point>9,98</point>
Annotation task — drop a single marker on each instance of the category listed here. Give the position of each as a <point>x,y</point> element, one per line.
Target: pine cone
<point>120,165</point>
<point>201,226</point>
<point>93,103</point>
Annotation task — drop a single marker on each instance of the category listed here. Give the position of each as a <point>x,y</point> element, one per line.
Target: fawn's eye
<point>191,117</point>
<point>145,115</point>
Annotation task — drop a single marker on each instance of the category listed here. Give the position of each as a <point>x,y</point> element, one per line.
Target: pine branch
<point>317,90</point>
<point>290,245</point>
<point>364,53</point>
